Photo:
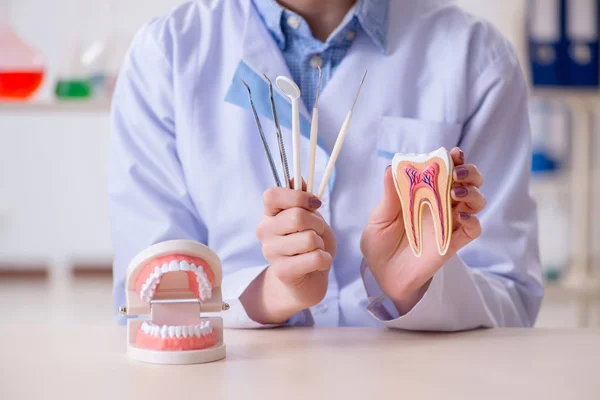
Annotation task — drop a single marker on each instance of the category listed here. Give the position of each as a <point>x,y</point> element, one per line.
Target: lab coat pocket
<point>406,135</point>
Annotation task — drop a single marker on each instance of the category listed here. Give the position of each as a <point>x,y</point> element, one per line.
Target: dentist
<point>187,163</point>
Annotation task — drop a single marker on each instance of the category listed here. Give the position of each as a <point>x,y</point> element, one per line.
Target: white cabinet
<point>53,197</point>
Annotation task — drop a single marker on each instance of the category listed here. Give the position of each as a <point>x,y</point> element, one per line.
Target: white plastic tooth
<point>164,331</point>
<point>178,331</point>
<point>171,330</point>
<point>185,266</point>
<point>185,332</point>
<point>157,271</point>
<point>165,268</point>
<point>145,327</point>
<point>197,331</point>
<point>155,330</point>
<point>174,266</point>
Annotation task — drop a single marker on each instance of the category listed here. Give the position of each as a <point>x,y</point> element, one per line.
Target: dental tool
<point>314,131</point>
<point>282,153</point>
<point>169,288</point>
<point>338,143</point>
<point>292,91</point>
<point>262,137</point>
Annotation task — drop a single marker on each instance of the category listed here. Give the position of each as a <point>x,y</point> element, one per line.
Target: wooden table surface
<point>71,361</point>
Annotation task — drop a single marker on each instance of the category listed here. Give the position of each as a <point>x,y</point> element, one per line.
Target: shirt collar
<point>372,16</point>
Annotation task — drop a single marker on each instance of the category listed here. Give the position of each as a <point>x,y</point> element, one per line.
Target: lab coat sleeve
<point>495,281</point>
<point>149,200</point>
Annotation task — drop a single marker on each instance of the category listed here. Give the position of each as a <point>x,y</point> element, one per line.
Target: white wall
<point>53,165</point>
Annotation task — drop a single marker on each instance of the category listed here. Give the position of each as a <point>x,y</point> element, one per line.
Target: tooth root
<point>425,179</point>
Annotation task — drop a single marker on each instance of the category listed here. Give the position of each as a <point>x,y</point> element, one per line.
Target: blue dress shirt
<point>303,53</point>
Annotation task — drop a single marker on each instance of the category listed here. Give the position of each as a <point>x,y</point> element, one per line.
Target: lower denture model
<point>169,285</point>
<point>425,179</point>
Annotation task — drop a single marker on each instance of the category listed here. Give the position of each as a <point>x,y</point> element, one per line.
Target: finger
<point>289,221</point>
<point>291,245</point>
<point>389,208</point>
<point>292,269</point>
<point>471,196</point>
<point>277,199</point>
<point>469,230</point>
<point>458,157</point>
<point>468,175</point>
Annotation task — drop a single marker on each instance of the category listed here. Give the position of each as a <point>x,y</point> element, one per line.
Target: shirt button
<point>293,22</point>
<point>316,61</point>
<point>350,35</point>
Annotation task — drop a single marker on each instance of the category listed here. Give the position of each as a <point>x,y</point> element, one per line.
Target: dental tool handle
<point>334,154</point>
<point>296,145</point>
<point>314,129</point>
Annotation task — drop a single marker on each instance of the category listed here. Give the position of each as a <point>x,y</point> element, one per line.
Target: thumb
<point>388,210</point>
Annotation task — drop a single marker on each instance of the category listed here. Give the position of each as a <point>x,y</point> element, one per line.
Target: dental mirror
<point>291,90</point>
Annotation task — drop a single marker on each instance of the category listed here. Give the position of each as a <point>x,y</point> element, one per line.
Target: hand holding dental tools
<point>338,143</point>
<point>314,131</point>
<point>291,90</point>
<point>262,137</point>
<point>282,154</point>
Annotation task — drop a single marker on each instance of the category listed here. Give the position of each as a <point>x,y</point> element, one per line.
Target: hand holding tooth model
<point>404,244</point>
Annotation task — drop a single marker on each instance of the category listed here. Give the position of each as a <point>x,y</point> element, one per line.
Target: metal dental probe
<point>262,137</point>
<point>282,154</point>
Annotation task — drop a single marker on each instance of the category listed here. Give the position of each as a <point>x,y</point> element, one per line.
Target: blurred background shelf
<point>72,106</point>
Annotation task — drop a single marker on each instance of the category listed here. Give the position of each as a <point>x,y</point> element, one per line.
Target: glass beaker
<point>22,67</point>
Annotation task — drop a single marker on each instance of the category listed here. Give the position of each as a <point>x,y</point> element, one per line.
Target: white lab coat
<point>187,161</point>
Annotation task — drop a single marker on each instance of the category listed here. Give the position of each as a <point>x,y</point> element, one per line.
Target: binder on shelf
<point>546,44</point>
<point>581,31</point>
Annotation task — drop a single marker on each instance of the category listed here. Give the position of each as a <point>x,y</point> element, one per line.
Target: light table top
<point>89,362</point>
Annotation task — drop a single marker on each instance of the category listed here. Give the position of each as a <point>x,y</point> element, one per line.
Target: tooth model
<point>169,285</point>
<point>425,179</point>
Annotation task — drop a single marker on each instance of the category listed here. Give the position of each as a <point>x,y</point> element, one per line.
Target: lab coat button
<point>316,61</point>
<point>350,35</point>
<point>322,308</point>
<point>293,22</point>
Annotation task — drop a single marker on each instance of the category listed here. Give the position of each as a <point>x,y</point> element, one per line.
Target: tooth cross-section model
<point>425,179</point>
<point>169,285</point>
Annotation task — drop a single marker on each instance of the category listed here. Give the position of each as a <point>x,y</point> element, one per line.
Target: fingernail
<point>314,203</point>
<point>464,215</point>
<point>388,167</point>
<point>462,172</point>
<point>461,155</point>
<point>460,191</point>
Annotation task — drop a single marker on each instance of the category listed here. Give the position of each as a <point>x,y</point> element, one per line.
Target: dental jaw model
<point>425,179</point>
<point>171,284</point>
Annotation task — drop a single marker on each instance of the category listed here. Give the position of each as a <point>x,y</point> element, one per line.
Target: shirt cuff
<point>234,285</point>
<point>451,288</point>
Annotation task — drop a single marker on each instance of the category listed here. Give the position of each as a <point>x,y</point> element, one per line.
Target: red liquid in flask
<point>19,85</point>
